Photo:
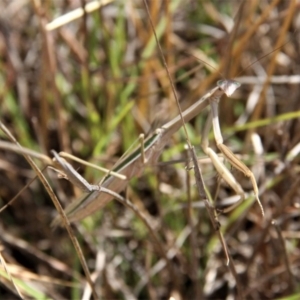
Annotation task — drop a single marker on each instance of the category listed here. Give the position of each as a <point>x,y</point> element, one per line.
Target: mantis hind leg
<point>220,167</point>
<point>229,155</point>
<point>235,162</point>
<point>226,175</point>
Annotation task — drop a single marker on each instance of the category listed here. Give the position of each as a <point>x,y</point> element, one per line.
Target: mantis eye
<point>228,86</point>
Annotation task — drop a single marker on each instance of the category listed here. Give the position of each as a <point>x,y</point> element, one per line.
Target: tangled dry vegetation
<point>90,86</point>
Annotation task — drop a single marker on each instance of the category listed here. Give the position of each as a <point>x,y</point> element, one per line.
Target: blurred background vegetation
<point>90,86</point>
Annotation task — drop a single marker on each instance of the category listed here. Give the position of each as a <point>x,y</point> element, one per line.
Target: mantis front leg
<point>213,118</point>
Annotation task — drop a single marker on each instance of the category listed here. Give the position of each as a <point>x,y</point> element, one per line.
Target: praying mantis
<point>149,152</point>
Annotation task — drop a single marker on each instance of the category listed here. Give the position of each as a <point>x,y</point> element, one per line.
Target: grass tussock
<point>88,83</point>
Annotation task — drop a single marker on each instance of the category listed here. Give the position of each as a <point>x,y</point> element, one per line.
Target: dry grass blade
<point>57,206</point>
<point>76,14</point>
<point>291,281</point>
<point>3,264</point>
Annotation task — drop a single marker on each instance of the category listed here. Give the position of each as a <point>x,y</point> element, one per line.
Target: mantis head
<point>228,86</point>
